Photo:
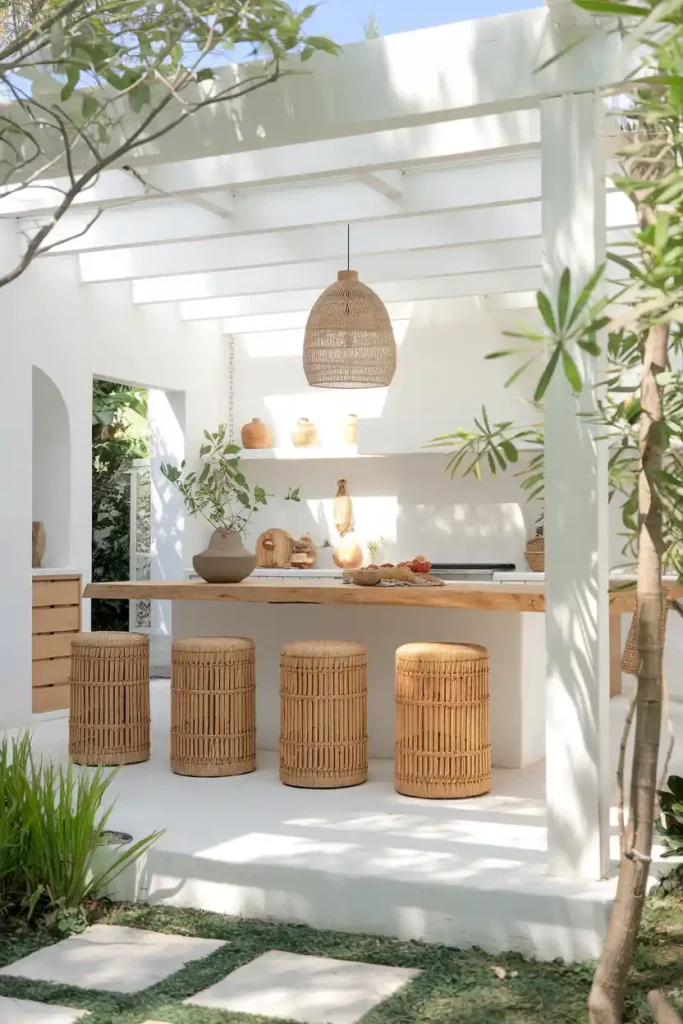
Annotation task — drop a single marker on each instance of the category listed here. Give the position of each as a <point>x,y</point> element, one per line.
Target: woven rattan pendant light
<point>349,341</point>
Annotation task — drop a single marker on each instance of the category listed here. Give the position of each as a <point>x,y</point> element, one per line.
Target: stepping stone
<point>111,958</point>
<point>25,1011</point>
<point>307,989</point>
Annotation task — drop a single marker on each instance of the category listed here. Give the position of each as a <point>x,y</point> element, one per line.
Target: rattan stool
<point>213,706</point>
<point>109,713</point>
<point>442,721</point>
<point>323,714</point>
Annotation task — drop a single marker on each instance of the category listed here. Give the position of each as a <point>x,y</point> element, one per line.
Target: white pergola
<point>463,171</point>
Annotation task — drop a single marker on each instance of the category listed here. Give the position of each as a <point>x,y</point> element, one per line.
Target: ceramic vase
<point>226,560</point>
<point>351,430</point>
<point>256,434</point>
<point>305,434</point>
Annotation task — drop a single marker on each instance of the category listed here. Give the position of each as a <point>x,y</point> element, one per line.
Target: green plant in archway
<point>118,439</point>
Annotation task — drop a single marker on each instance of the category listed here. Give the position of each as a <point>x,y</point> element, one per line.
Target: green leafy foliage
<point>670,825</point>
<point>118,439</point>
<point>85,82</point>
<point>52,820</point>
<point>217,489</point>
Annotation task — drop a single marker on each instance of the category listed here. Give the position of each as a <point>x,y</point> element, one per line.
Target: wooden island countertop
<point>485,596</point>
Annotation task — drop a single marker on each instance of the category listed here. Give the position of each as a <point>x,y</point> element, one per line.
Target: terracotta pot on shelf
<point>256,434</point>
<point>351,430</point>
<point>225,560</point>
<point>305,434</point>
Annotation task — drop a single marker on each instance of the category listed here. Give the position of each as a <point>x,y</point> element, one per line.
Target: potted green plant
<point>220,493</point>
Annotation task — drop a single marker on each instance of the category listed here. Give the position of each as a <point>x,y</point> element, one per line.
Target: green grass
<point>454,987</point>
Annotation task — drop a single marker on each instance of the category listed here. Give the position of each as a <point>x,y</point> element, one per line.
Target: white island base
<point>516,643</point>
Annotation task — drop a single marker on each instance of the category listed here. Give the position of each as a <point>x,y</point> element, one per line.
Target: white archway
<point>51,469</point>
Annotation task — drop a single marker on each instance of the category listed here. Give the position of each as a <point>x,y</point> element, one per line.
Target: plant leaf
<point>563,297</point>
<point>546,311</point>
<point>571,371</point>
<point>547,374</point>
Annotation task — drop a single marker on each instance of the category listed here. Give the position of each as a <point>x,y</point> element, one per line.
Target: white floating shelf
<point>290,454</point>
<point>321,452</point>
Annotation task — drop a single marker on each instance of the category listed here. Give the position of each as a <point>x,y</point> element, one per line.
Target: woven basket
<point>349,341</point>
<point>109,713</point>
<point>323,723</point>
<point>629,661</point>
<point>213,707</point>
<point>442,747</point>
<point>535,553</point>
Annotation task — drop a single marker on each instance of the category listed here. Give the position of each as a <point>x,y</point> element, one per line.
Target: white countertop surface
<point>55,572</point>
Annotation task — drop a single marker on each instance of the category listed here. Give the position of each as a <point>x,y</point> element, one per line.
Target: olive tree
<point>86,83</point>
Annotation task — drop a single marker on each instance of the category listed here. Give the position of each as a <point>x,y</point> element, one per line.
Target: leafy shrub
<point>670,827</point>
<point>118,439</point>
<point>51,822</point>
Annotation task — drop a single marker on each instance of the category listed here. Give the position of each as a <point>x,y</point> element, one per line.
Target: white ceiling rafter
<point>387,183</point>
<point>329,202</point>
<point>409,290</point>
<point>388,266</point>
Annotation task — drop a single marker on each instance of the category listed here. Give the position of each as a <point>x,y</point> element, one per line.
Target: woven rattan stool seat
<point>323,722</point>
<point>109,712</point>
<point>442,721</point>
<point>213,711</point>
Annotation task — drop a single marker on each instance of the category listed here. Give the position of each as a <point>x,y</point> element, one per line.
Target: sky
<point>343,20</point>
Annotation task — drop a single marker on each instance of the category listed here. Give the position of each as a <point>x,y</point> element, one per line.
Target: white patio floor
<point>469,872</point>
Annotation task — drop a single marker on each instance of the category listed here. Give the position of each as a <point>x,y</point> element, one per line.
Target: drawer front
<point>56,620</point>
<point>52,645</point>
<point>54,592</point>
<point>51,671</point>
<point>51,698</point>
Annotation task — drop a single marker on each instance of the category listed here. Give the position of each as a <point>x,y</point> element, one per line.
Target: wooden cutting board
<point>274,549</point>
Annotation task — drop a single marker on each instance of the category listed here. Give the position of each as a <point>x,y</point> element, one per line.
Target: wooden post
<point>578,785</point>
<point>615,674</point>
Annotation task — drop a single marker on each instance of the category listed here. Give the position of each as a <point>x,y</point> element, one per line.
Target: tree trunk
<point>606,1000</point>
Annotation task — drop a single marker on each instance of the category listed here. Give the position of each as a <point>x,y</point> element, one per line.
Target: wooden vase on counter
<point>274,550</point>
<point>256,434</point>
<point>305,434</point>
<point>348,554</point>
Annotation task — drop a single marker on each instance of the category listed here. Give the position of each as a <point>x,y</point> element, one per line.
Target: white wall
<point>440,385</point>
<point>51,476</point>
<point>72,334</point>
<point>15,508</point>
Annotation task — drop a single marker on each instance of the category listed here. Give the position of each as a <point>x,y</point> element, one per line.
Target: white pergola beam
<point>322,203</point>
<point>386,183</point>
<point>459,70</point>
<point>391,266</point>
<point>390,292</point>
<point>471,138</point>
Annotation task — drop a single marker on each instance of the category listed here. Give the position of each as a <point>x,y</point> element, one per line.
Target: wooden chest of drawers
<point>56,617</point>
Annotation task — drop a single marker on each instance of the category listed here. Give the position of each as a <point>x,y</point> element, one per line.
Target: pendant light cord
<point>348,246</point>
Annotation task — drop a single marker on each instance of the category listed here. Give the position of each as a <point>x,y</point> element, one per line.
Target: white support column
<point>578,782</point>
<point>166,414</point>
<point>15,508</point>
